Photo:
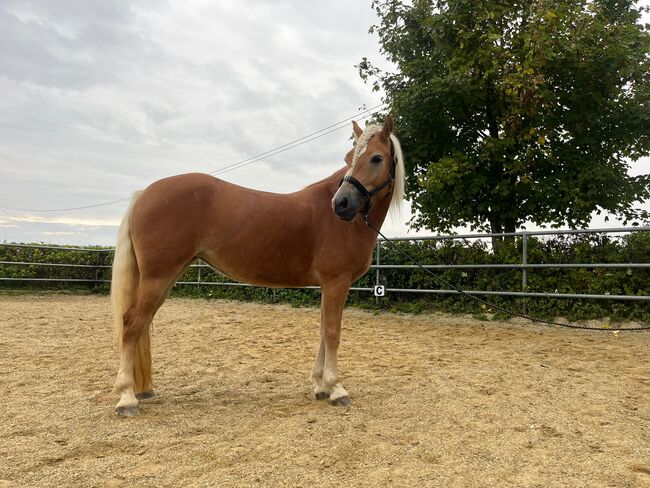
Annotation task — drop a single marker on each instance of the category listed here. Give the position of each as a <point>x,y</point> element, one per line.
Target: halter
<point>368,194</point>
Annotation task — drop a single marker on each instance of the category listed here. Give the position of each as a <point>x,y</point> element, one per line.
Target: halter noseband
<point>368,194</point>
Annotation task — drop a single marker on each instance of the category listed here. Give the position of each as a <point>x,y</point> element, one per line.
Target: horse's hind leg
<point>143,376</point>
<point>150,295</point>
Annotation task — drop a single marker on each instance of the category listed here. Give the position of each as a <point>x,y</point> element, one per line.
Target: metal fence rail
<point>56,248</point>
<point>524,266</point>
<point>524,233</point>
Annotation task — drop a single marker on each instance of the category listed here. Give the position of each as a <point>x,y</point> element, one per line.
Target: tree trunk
<point>498,226</point>
<point>495,228</point>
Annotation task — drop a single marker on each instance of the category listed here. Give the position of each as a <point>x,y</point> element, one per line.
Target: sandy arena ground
<point>438,400</point>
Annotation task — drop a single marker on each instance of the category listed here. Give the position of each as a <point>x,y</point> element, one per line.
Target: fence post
<point>524,261</point>
<point>198,277</point>
<point>524,271</point>
<point>96,285</point>
<point>377,269</point>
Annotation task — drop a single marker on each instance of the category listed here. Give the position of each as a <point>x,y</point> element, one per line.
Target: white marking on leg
<point>338,392</point>
<point>317,371</point>
<point>334,295</point>
<point>125,381</point>
<point>330,375</point>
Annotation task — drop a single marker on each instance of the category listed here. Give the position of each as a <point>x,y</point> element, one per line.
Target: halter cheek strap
<point>368,194</point>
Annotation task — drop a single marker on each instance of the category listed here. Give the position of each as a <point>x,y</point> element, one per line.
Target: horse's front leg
<point>319,365</point>
<point>325,373</point>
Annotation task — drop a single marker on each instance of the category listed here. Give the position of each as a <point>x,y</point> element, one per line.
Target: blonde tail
<point>124,284</point>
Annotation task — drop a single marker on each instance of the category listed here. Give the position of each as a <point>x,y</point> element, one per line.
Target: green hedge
<point>586,248</point>
<point>54,254</point>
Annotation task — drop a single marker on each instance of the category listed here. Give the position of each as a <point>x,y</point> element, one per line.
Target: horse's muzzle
<point>346,204</point>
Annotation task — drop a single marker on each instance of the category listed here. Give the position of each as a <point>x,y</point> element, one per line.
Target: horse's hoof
<point>343,401</point>
<point>322,395</point>
<point>127,411</point>
<point>145,395</point>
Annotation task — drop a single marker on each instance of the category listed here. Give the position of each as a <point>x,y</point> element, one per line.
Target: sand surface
<point>438,400</point>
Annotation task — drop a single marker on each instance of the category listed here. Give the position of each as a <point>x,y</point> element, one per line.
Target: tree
<point>517,111</point>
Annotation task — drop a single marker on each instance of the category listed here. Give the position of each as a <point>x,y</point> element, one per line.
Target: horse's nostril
<point>343,203</point>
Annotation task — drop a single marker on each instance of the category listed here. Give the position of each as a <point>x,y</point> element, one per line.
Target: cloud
<point>103,97</point>
<point>72,221</point>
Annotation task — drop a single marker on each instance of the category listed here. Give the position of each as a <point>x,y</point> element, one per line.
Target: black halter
<point>368,194</point>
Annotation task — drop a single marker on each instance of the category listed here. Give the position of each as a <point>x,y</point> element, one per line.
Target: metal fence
<point>524,266</point>
<point>102,264</point>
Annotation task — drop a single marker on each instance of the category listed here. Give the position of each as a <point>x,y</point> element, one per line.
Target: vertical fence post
<point>97,253</point>
<point>524,261</point>
<point>198,277</point>
<point>377,269</point>
<point>524,271</point>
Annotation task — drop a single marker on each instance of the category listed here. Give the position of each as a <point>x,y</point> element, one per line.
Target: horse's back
<point>254,236</point>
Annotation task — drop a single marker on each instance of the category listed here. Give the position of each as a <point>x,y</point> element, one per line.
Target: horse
<point>313,237</point>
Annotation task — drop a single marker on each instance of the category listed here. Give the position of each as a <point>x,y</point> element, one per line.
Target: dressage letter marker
<point>379,291</point>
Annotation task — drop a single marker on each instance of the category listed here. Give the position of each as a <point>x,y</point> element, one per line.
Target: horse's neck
<point>331,183</point>
<point>379,210</point>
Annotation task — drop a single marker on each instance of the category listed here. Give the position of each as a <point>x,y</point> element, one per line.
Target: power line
<point>240,164</point>
<point>318,134</point>
<point>40,227</point>
<point>270,154</point>
<point>111,202</point>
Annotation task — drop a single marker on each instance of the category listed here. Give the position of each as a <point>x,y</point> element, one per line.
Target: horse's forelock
<point>362,142</point>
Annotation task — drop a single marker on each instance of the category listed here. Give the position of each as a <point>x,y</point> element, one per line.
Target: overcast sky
<point>102,97</point>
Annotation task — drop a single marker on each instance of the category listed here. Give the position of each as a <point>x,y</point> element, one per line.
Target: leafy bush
<point>584,248</point>
<point>93,266</point>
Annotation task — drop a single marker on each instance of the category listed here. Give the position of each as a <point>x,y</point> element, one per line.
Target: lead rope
<point>492,305</point>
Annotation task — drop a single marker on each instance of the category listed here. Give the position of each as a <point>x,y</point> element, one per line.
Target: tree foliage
<point>517,111</point>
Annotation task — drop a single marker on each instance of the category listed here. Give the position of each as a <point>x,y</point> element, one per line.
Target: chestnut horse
<point>315,236</point>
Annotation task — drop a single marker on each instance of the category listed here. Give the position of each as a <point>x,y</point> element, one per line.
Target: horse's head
<point>376,171</point>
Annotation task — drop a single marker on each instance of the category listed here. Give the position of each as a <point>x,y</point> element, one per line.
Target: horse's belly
<point>270,269</point>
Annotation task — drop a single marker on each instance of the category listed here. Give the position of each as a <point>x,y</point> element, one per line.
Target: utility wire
<point>270,154</point>
<point>68,209</point>
<point>40,227</point>
<point>290,145</point>
<point>245,162</point>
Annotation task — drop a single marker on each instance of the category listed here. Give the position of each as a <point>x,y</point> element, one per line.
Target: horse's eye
<point>376,159</point>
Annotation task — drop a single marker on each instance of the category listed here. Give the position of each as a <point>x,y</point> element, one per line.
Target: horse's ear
<point>387,130</point>
<point>356,130</point>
